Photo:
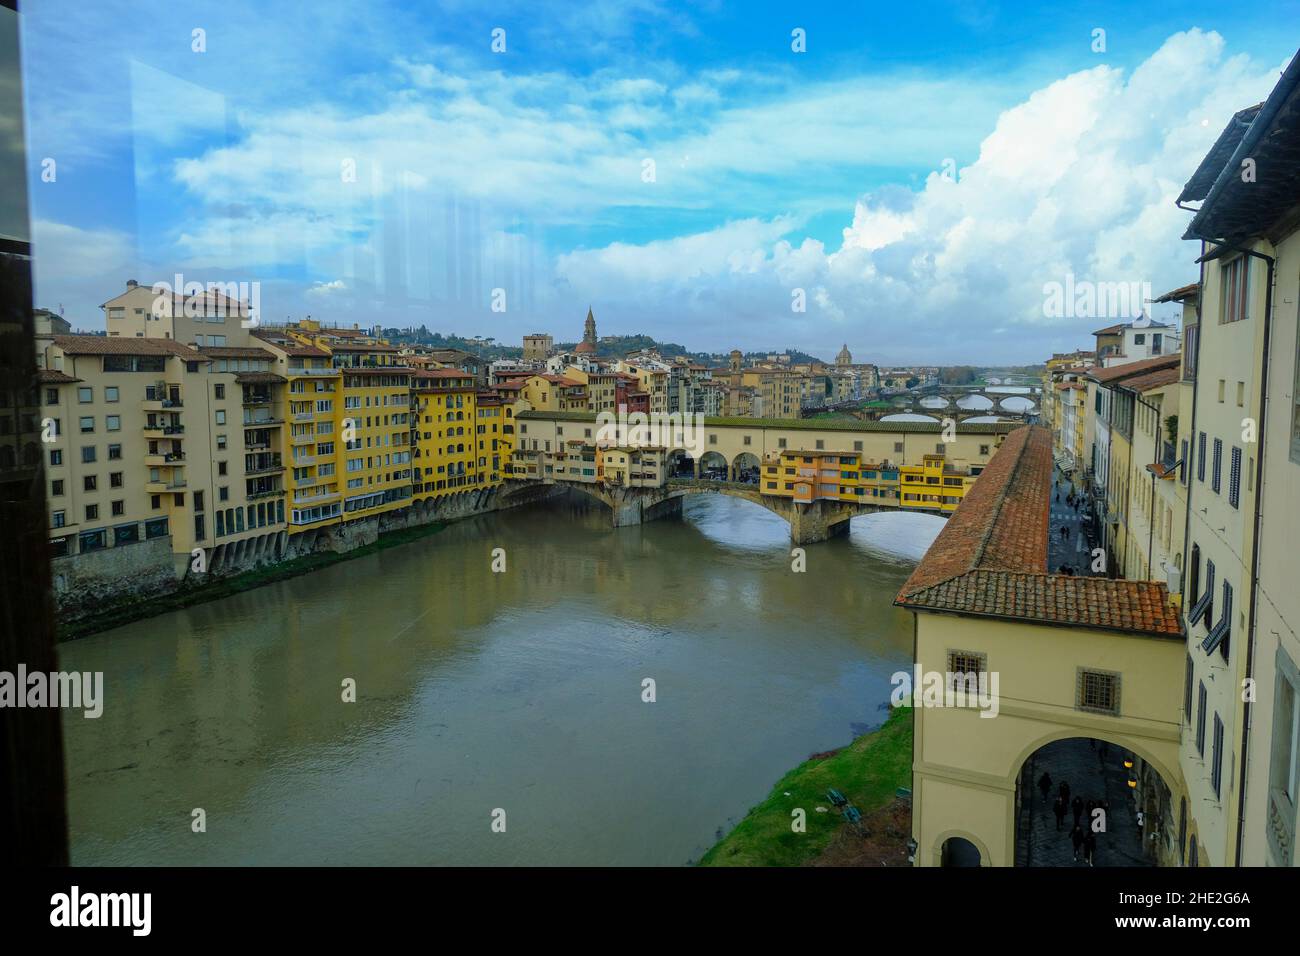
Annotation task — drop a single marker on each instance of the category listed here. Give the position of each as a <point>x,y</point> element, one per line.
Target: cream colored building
<point>1072,656</point>
<point>1241,755</point>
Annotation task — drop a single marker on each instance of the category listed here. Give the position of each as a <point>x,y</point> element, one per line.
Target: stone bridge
<point>809,523</point>
<point>941,401</point>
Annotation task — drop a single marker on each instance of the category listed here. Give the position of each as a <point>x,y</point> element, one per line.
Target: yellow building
<point>631,467</point>
<point>554,393</point>
<point>446,451</point>
<point>310,443</point>
<point>807,476</point>
<point>933,485</point>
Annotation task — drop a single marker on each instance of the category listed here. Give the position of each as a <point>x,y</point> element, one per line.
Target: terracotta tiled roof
<point>990,560</point>
<point>438,373</point>
<point>119,345</point>
<point>290,346</point>
<point>1138,606</point>
<point>259,378</point>
<point>52,376</point>
<point>1111,330</point>
<point>1157,379</point>
<point>1115,373</point>
<point>1192,291</point>
<point>222,351</point>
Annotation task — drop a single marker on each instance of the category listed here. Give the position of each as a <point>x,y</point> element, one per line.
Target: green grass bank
<point>868,772</point>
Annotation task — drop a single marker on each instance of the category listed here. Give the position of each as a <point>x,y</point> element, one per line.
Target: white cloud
<point>1079,177</point>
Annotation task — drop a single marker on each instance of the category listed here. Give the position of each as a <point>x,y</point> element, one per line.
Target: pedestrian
<point>1067,532</point>
<point>1058,808</point>
<point>1076,838</point>
<point>1089,846</point>
<point>1077,806</point>
<point>1064,791</point>
<point>1045,783</point>
<point>1058,496</point>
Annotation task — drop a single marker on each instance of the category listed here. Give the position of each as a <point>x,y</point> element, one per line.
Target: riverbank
<point>868,772</point>
<point>126,611</point>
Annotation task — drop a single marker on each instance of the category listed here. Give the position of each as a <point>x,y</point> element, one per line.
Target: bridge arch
<point>746,468</point>
<point>711,464</point>
<point>681,463</point>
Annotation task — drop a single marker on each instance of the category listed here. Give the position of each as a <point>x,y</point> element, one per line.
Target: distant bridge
<point>809,522</point>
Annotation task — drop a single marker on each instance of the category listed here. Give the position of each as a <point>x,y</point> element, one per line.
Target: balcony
<point>316,498</point>
<point>159,430</point>
<point>164,458</point>
<point>266,466</point>
<point>262,422</point>
<point>269,493</point>
<point>300,461</point>
<point>303,416</point>
<point>162,487</point>
<point>256,398</point>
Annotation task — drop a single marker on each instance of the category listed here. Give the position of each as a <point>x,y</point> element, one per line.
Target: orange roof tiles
<point>990,560</point>
<point>116,345</point>
<point>1116,372</point>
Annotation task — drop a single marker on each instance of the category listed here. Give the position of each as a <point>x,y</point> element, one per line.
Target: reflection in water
<point>478,691</point>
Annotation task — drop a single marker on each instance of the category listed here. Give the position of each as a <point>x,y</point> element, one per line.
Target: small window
<point>56,487</point>
<point>111,393</point>
<point>221,468</point>
<point>820,444</point>
<point>1200,718</point>
<point>114,452</point>
<point>155,502</point>
<point>780,443</point>
<point>85,395</point>
<point>89,483</point>
<point>1216,468</point>
<point>221,416</point>
<point>1097,691</point>
<point>119,508</point>
<point>1234,478</point>
<point>857,446</point>
<point>87,425</point>
<point>898,447</point>
<point>219,391</point>
<point>747,439</point>
<point>113,423</point>
<point>1216,758</point>
<point>92,512</point>
<point>56,457</point>
<point>115,479</point>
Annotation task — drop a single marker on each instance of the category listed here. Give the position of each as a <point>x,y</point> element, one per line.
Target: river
<point>478,691</point>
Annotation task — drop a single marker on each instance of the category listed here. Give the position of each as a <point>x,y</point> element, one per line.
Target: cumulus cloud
<point>1078,178</point>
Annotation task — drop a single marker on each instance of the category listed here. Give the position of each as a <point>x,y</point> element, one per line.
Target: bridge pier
<point>632,506</point>
<point>818,521</point>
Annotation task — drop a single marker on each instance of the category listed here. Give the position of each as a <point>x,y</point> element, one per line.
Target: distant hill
<point>607,347</point>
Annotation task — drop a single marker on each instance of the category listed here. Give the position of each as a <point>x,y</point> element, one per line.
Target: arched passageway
<point>958,851</point>
<point>680,464</point>
<point>746,468</point>
<point>1119,802</point>
<point>713,466</point>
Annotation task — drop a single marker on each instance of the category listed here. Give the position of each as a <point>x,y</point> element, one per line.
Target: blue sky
<point>774,171</point>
